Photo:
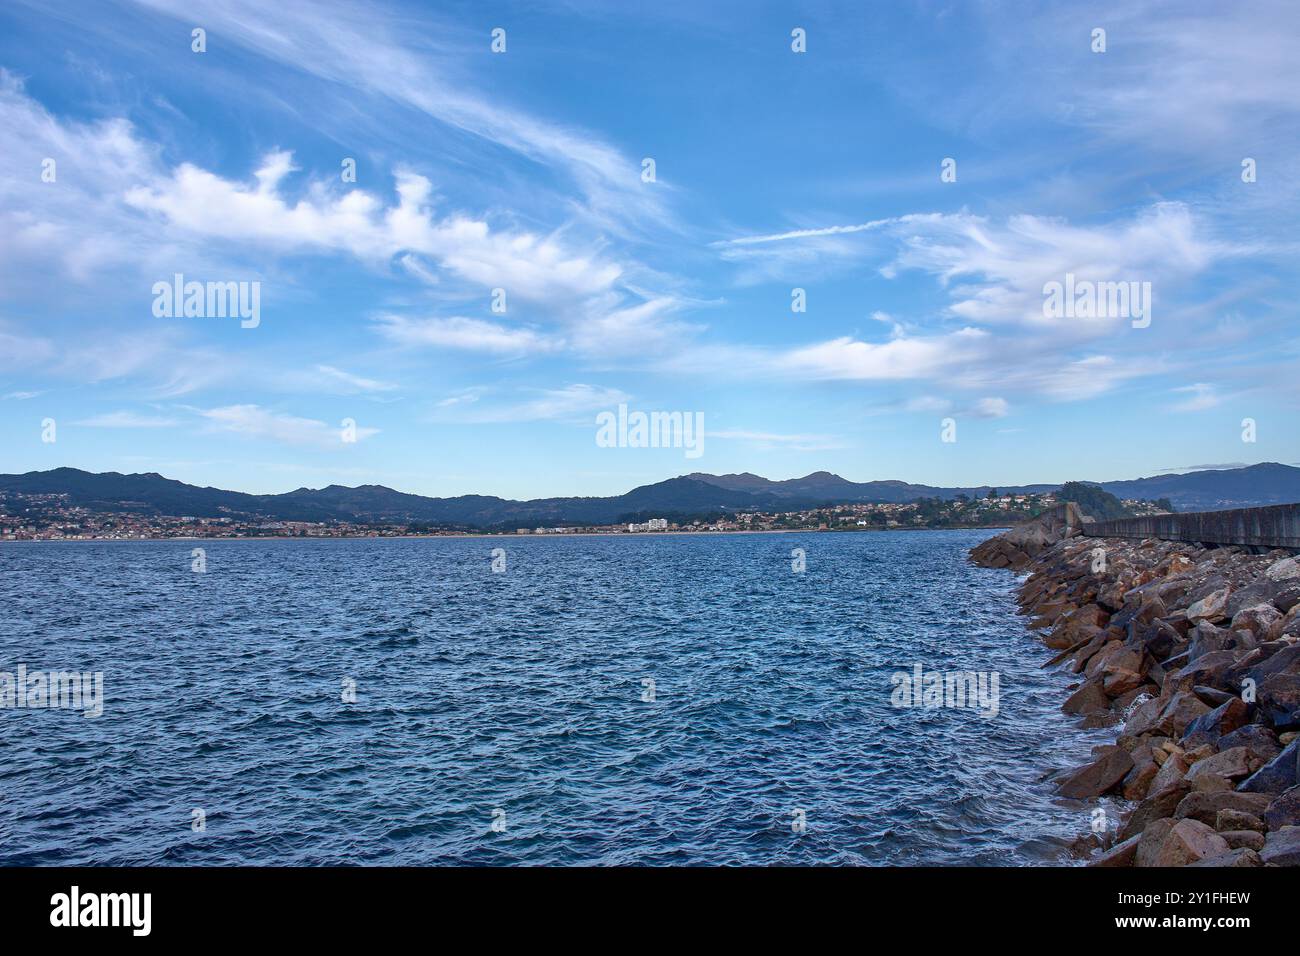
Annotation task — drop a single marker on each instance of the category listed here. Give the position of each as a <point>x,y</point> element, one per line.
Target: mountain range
<point>687,496</point>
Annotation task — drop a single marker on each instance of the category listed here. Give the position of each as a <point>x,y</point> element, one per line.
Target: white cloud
<point>366,48</point>
<point>126,419</point>
<point>457,332</point>
<point>352,221</point>
<point>573,403</point>
<point>354,382</point>
<point>1202,396</point>
<point>252,421</point>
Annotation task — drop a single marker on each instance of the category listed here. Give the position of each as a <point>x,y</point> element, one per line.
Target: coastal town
<point>52,517</point>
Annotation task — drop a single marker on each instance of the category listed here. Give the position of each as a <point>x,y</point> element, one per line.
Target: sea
<point>724,699</point>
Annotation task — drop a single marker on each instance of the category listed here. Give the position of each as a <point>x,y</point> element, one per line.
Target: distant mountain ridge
<point>686,496</point>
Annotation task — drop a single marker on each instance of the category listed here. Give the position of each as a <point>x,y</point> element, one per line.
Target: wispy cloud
<point>253,421</point>
<point>125,419</point>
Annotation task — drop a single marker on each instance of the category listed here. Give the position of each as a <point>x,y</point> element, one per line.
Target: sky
<point>616,206</point>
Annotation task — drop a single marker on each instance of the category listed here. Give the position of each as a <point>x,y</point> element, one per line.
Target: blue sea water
<point>518,696</point>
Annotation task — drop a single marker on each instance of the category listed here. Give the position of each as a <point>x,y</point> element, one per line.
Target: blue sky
<point>522,171</point>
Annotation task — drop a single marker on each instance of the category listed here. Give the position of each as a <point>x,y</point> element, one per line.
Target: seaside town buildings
<point>53,518</point>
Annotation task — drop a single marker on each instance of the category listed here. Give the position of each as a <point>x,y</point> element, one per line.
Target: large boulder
<point>1287,569</point>
<point>1232,764</point>
<point>1150,841</point>
<point>1277,775</point>
<point>1159,805</point>
<point>1088,699</point>
<point>1204,805</point>
<point>1282,847</point>
<point>1224,719</point>
<point>1278,698</point>
<point>1100,776</point>
<point>1019,546</point>
<point>1242,856</point>
<point>1121,854</point>
<point>1213,607</point>
<point>1284,811</point>
<point>1189,841</point>
<point>1259,620</point>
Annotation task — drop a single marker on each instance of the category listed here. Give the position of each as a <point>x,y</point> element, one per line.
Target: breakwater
<point>1276,526</point>
<point>1192,655</point>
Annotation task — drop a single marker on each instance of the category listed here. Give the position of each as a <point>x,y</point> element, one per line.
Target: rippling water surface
<point>522,692</point>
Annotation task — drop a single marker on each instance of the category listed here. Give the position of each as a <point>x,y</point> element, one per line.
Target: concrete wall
<point>1277,526</point>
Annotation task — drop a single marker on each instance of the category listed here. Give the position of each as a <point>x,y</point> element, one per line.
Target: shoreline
<point>484,534</point>
<point>1192,656</point>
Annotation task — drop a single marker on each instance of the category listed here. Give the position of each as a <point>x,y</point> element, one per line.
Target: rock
<point>1278,698</point>
<point>1277,658</point>
<point>1247,839</point>
<point>1189,841</point>
<point>1098,777</point>
<point>1259,741</point>
<point>1230,763</point>
<point>1016,548</point>
<point>1150,841</point>
<point>1182,709</point>
<point>1211,781</point>
<point>1159,805</point>
<point>1138,780</point>
<point>1277,775</point>
<point>1146,716</point>
<point>1123,854</point>
<point>1209,670</point>
<point>1123,672</point>
<point>1283,570</point>
<point>1088,699</point>
<point>1284,811</point>
<point>1287,597</point>
<point>1205,805</point>
<point>1224,719</point>
<point>1212,696</point>
<point>1281,847</point>
<point>1075,625</point>
<point>1213,607</point>
<point>1258,620</point>
<point>1206,638</point>
<point>1172,770</point>
<point>1243,856</point>
<point>1229,819</point>
<point>1158,639</point>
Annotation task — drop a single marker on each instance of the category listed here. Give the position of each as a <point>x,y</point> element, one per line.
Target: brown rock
<point>1240,857</point>
<point>1189,841</point>
<point>1230,763</point>
<point>1088,699</point>
<point>1138,780</point>
<point>1282,847</point>
<point>1150,841</point>
<point>1228,819</point>
<point>1098,777</point>
<point>1158,805</point>
<point>1213,607</point>
<point>1205,805</point>
<point>1249,839</point>
<point>1284,811</point>
<point>1123,854</point>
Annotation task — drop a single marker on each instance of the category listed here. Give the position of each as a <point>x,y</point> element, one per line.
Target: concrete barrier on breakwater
<point>1275,526</point>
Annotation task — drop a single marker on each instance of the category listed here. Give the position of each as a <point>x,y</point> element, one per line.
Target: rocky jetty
<point>1192,654</point>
